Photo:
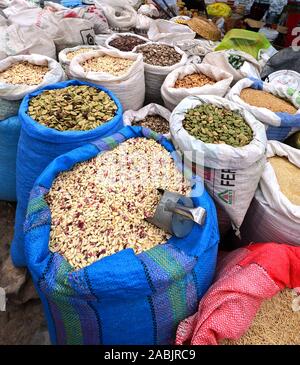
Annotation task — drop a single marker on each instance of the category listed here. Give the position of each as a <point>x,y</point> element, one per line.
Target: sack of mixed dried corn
<point>277,107</point>
<point>122,73</point>
<point>194,80</point>
<point>152,116</point>
<point>104,273</point>
<point>55,120</point>
<point>274,214</point>
<point>19,75</point>
<point>249,303</point>
<point>226,145</point>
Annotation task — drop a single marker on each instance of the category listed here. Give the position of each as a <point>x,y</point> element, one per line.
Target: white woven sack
<point>11,95</point>
<point>272,217</point>
<point>155,76</point>
<point>119,13</point>
<point>16,39</point>
<point>73,32</point>
<point>128,88</point>
<point>117,35</point>
<point>220,59</point>
<point>100,39</point>
<point>231,174</point>
<point>265,115</point>
<point>169,32</point>
<point>65,62</point>
<point>172,96</point>
<point>151,109</point>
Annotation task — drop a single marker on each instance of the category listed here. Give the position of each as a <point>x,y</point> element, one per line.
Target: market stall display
<point>179,271</point>
<point>176,137</point>
<point>42,144</point>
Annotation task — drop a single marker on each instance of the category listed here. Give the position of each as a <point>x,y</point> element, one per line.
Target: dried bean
<point>113,65</point>
<point>211,124</point>
<point>99,207</point>
<point>159,54</point>
<point>194,80</point>
<point>24,73</point>
<point>126,43</point>
<point>77,108</point>
<point>154,122</point>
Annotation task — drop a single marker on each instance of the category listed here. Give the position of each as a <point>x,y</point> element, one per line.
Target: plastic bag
<point>231,174</point>
<point>65,62</point>
<point>286,59</point>
<point>279,125</point>
<point>285,78</point>
<point>219,10</point>
<point>41,145</point>
<point>172,96</point>
<point>244,40</point>
<point>180,271</point>
<point>155,77</point>
<point>143,24</point>
<point>272,217</point>
<point>238,64</point>
<point>149,10</point>
<point>131,116</point>
<point>129,88</point>
<point>120,15</point>
<point>9,137</point>
<point>169,32</point>
<point>16,39</point>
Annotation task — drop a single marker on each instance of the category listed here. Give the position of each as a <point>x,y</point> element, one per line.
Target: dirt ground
<point>22,323</point>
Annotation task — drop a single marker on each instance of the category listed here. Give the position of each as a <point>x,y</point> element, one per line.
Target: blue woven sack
<point>38,146</point>
<point>278,125</point>
<point>9,136</point>
<point>123,298</point>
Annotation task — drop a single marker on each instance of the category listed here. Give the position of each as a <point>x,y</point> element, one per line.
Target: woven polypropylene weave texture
<point>123,298</point>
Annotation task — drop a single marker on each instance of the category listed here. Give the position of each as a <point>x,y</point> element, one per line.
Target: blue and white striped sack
<point>278,125</point>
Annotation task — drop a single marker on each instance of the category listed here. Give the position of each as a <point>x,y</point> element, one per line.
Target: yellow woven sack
<point>219,10</point>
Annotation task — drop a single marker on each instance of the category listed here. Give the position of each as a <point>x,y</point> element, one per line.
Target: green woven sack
<point>244,40</point>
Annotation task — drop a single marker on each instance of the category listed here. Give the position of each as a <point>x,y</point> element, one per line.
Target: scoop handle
<point>198,215</point>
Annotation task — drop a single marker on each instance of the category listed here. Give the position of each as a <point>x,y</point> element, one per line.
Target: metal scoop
<point>176,214</point>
